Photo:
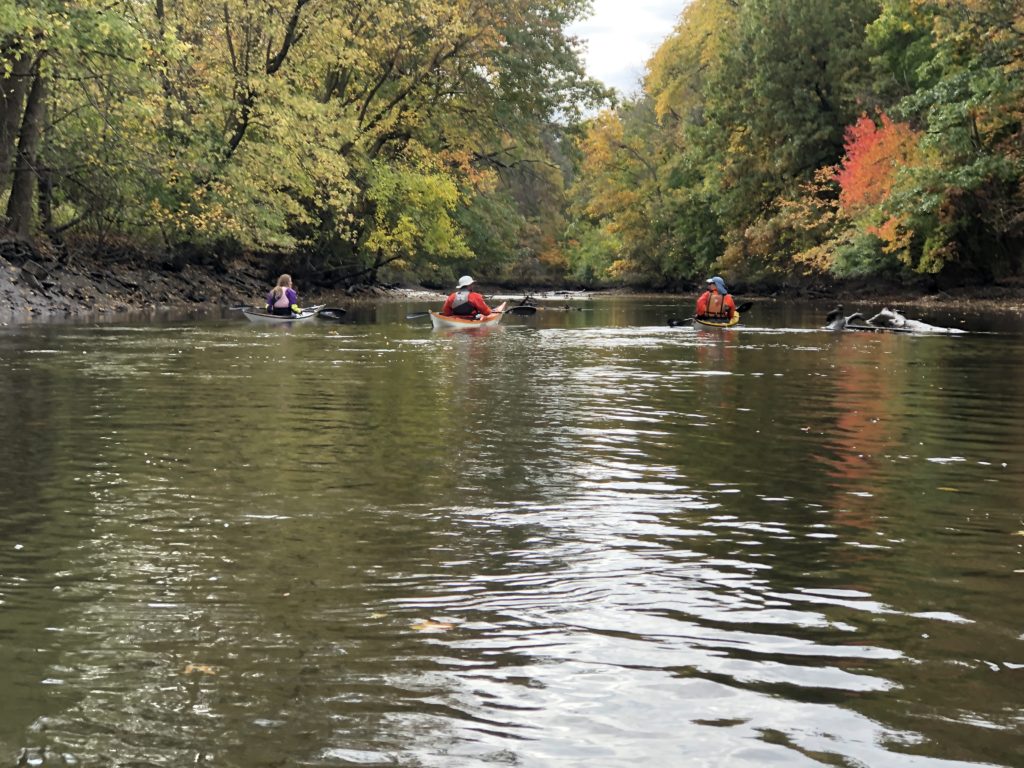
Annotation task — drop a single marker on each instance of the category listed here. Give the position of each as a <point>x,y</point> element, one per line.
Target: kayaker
<point>465,302</point>
<point>716,302</point>
<point>282,299</point>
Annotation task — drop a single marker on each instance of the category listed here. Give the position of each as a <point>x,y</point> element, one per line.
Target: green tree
<point>793,75</point>
<point>350,134</point>
<point>44,47</point>
<point>963,209</point>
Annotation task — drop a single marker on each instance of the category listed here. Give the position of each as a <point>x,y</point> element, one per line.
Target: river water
<point>579,539</point>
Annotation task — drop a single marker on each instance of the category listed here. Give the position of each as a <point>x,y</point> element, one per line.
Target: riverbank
<point>40,286</point>
<point>37,286</point>
<point>1005,295</point>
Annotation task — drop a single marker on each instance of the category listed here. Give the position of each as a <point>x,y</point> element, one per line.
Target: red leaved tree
<point>873,155</point>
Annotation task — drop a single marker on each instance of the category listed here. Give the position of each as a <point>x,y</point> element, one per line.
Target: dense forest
<point>782,139</point>
<point>355,139</point>
<point>360,141</point>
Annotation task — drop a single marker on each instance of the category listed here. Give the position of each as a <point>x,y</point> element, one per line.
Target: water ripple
<point>550,545</point>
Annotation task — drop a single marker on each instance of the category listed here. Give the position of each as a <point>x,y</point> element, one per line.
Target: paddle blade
<point>523,310</point>
<point>332,313</point>
<point>746,306</point>
<point>417,315</point>
<point>674,322</point>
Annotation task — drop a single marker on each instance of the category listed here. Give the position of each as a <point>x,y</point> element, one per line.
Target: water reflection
<point>588,540</point>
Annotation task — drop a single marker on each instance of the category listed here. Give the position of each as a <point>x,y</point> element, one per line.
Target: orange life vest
<point>716,306</point>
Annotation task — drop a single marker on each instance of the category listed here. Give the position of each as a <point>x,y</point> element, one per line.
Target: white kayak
<point>262,316</point>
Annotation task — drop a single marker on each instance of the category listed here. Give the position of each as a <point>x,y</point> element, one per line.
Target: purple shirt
<point>289,296</point>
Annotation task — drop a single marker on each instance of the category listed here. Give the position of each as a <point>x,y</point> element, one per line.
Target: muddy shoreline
<point>37,289</point>
<point>45,290</point>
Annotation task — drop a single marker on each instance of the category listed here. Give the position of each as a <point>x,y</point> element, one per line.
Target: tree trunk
<point>19,207</point>
<point>45,198</point>
<point>12,98</point>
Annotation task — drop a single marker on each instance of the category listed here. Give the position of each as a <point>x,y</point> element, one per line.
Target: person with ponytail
<point>282,299</point>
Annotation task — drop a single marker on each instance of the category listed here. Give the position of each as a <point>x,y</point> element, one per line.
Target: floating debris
<point>433,626</point>
<point>203,669</point>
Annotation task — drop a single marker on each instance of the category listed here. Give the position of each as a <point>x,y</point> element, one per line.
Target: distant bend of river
<point>581,538</point>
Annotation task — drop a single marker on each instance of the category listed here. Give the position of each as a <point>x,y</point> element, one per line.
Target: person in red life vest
<point>282,299</point>
<point>716,302</point>
<point>466,302</point>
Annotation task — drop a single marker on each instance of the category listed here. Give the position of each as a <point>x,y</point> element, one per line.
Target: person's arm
<point>270,301</point>
<point>447,308</point>
<point>479,304</point>
<point>730,304</point>
<point>293,301</point>
<point>702,304</point>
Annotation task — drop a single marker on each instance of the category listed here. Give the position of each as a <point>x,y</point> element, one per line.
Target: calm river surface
<point>578,539</point>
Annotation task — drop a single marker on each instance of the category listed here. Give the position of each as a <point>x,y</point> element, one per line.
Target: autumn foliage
<point>874,155</point>
<point>778,138</point>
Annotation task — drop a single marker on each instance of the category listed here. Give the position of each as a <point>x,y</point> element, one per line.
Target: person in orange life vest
<point>716,301</point>
<point>465,302</point>
<point>282,299</point>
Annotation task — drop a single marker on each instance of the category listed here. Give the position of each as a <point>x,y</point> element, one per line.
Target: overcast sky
<point>621,35</point>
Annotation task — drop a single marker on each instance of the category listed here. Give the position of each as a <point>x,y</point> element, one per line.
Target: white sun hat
<point>465,281</point>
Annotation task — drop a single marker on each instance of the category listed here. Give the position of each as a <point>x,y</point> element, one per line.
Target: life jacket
<point>461,304</point>
<point>282,301</point>
<point>716,306</point>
